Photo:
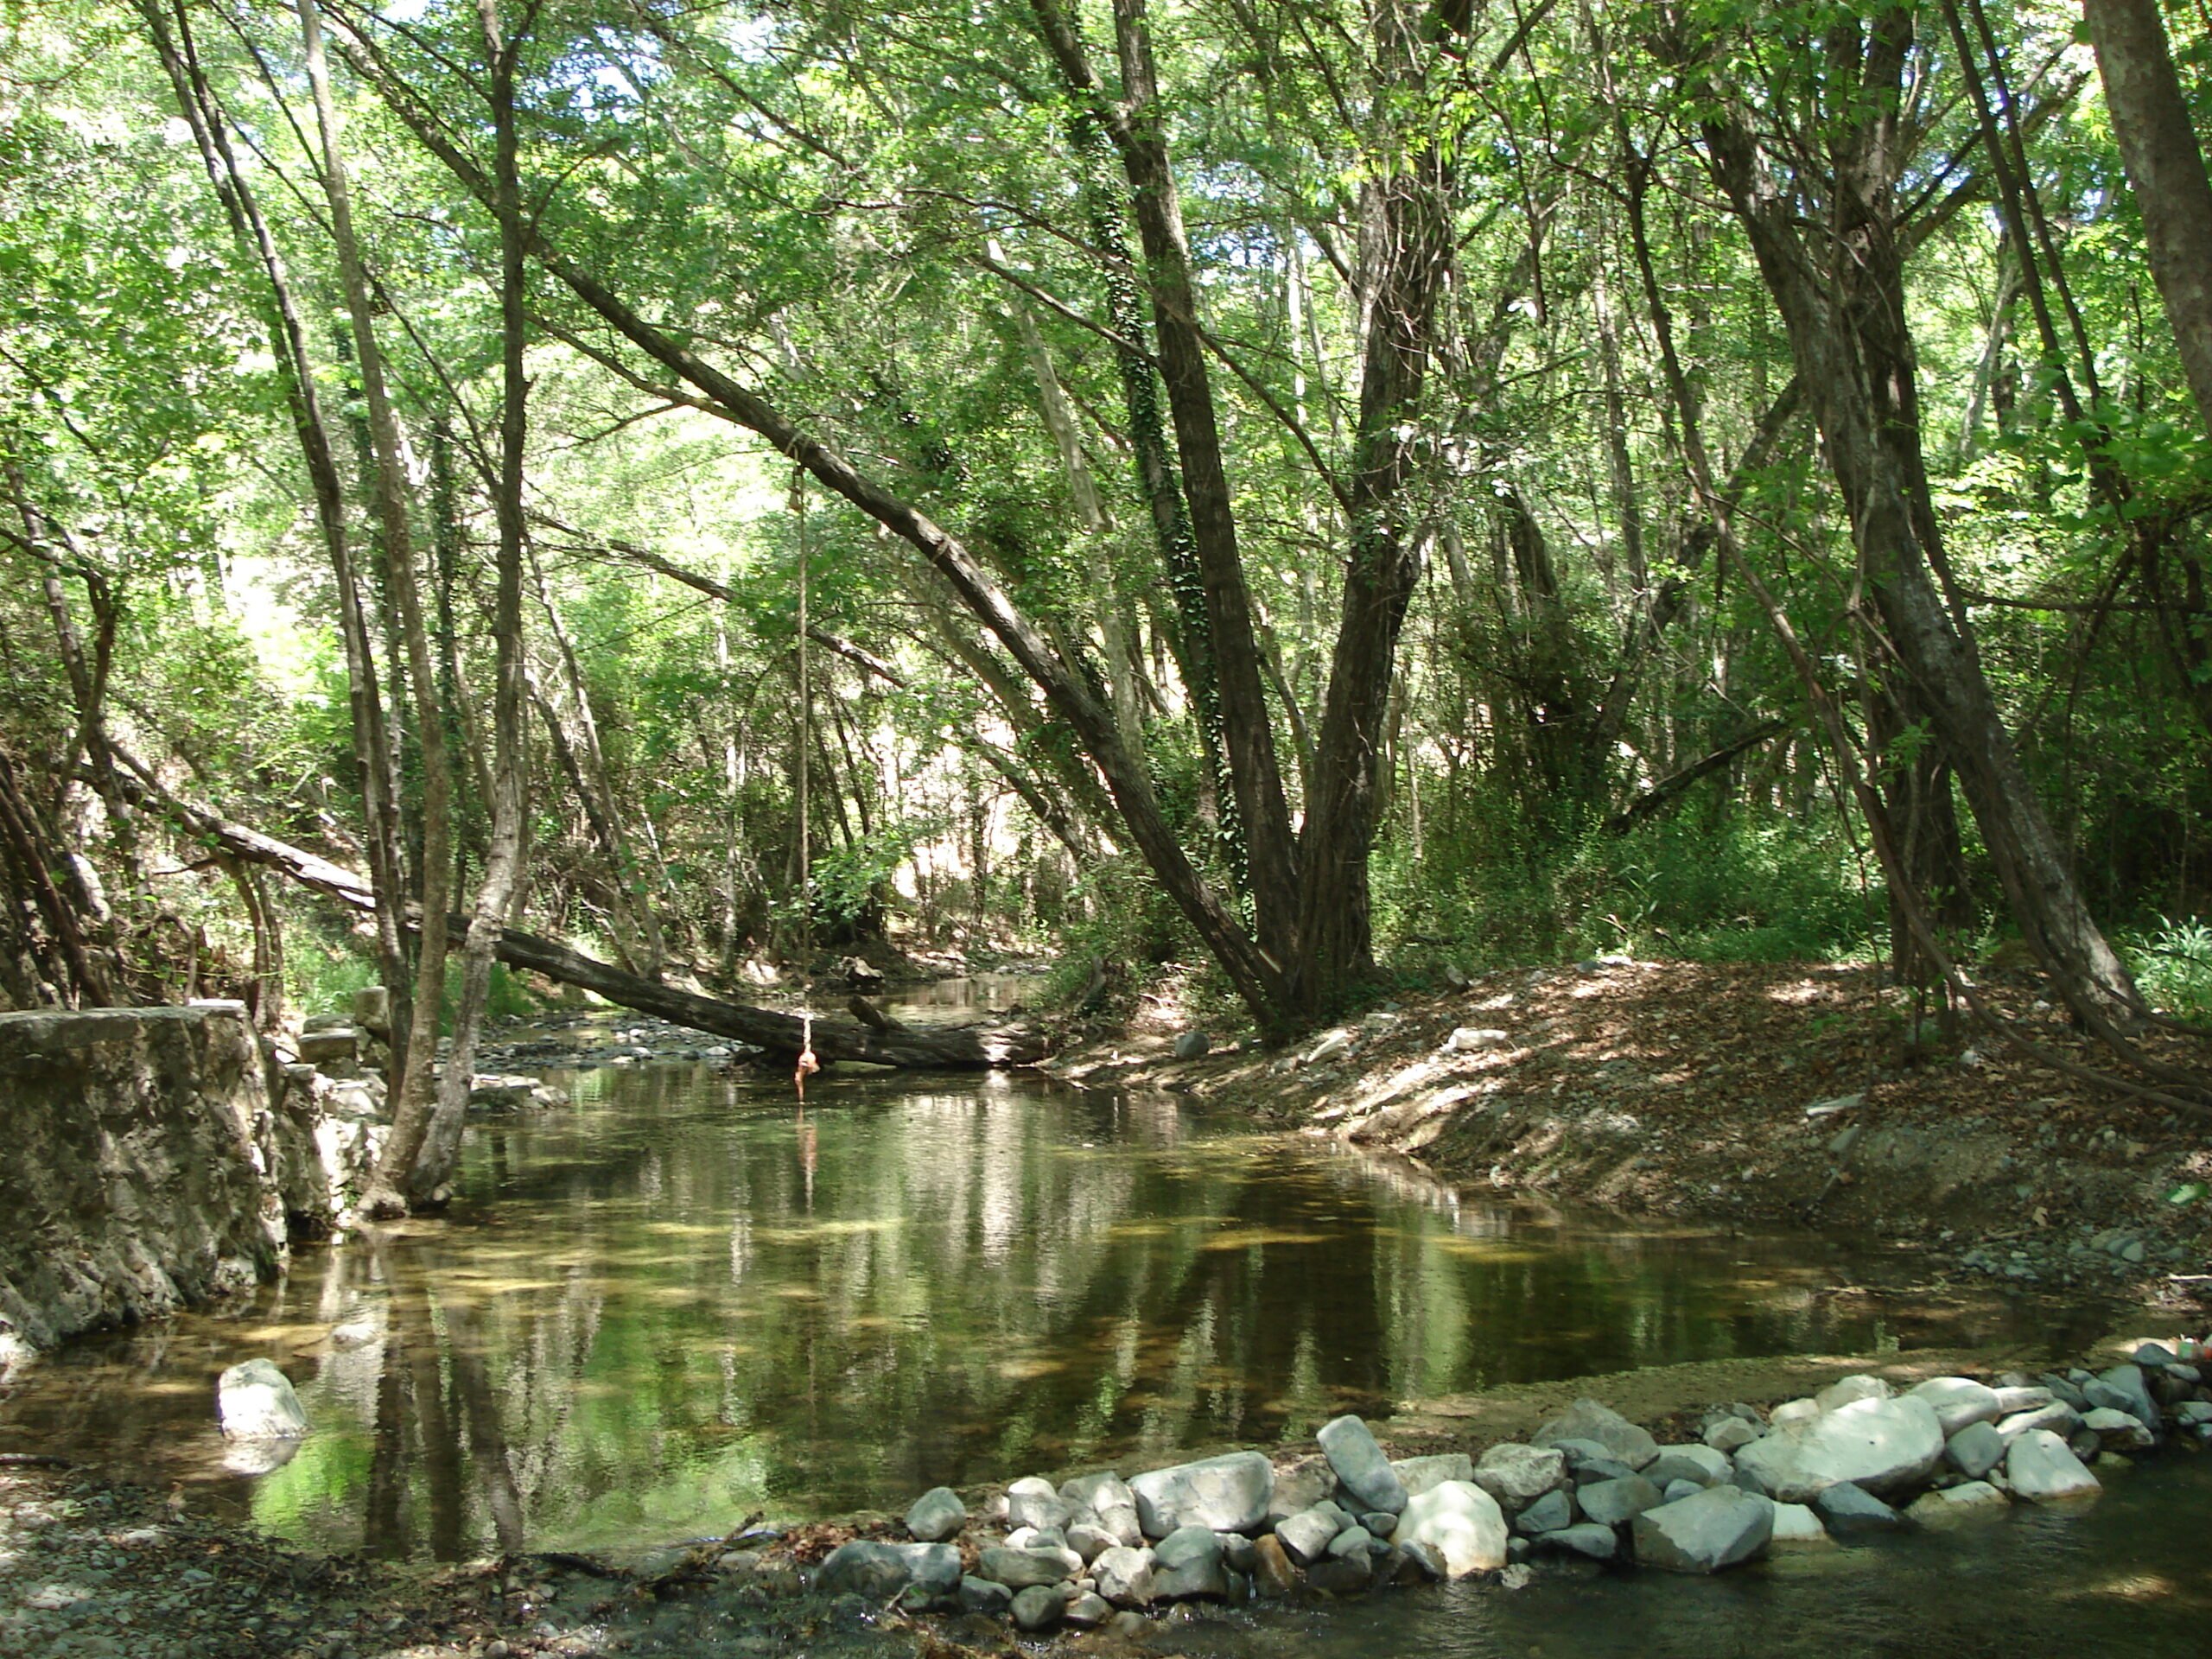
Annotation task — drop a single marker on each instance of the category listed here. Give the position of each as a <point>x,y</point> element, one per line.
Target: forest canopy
<point>1328,492</point>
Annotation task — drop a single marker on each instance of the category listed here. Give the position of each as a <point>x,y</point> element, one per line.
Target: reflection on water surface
<point>674,1303</point>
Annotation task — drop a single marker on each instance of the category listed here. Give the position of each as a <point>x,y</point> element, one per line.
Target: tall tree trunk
<point>1841,300</point>
<point>1263,813</point>
<point>441,1150</point>
<point>1407,201</point>
<point>414,1102</point>
<point>2159,144</point>
<point>288,344</point>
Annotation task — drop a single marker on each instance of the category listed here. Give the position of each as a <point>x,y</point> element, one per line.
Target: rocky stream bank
<point>1748,1093</point>
<point>1100,1563</point>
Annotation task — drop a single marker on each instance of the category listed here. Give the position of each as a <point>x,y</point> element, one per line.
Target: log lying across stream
<point>877,1038</point>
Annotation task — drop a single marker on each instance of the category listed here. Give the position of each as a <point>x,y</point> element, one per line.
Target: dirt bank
<point>1745,1092</point>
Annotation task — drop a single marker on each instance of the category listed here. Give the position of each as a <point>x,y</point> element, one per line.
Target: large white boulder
<point>1224,1494</point>
<point>1884,1445</point>
<point>1461,1522</point>
<point>2040,1467</point>
<point>255,1402</point>
<point>1960,1401</point>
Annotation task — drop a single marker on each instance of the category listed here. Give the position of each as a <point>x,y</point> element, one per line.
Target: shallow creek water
<point>675,1302</point>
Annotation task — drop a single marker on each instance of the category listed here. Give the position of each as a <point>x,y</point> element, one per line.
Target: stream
<point>675,1301</point>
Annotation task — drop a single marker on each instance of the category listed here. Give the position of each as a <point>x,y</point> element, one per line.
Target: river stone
<point>1342,1575</point>
<point>372,1009</point>
<point>2054,1415</point>
<point>1955,1502</point>
<point>1975,1450</point>
<point>1018,1569</point>
<point>1882,1444</point>
<point>2040,1468</point>
<point>1039,1607</point>
<point>321,1047</point>
<point>1106,1500</point>
<point>937,1515</point>
<point>1272,1576</point>
<point>1598,1469</point>
<point>877,1571</point>
<point>1034,1503</point>
<point>1380,1522</point>
<point>1730,1434</point>
<point>1792,1414</point>
<point>984,1595</point>
<point>1517,1476</point>
<point>1419,1475</point>
<point>1718,1527</point>
<point>1587,1420</point>
<point>1700,1464</point>
<point>1412,1564</point>
<point>1959,1401</point>
<point>1610,1502</point>
<point>1462,1522</point>
<point>1237,1551</point>
<point>1308,1535</point>
<point>1578,1452</point>
<point>1850,1510</point>
<point>1224,1494</point>
<point>2022,1396</point>
<point>1675,1491</point>
<point>1360,1464</point>
<point>1089,1541</point>
<point>1124,1576</point>
<point>255,1402</point>
<point>1588,1538</point>
<point>2066,1389</point>
<point>1353,1540</point>
<point>1796,1526</point>
<point>1089,1610</point>
<point>2122,1388</point>
<point>1192,1046</point>
<point>1300,1484</point>
<point>2118,1431</point>
<point>1188,1564</point>
<point>1845,1389</point>
<point>1547,1514</point>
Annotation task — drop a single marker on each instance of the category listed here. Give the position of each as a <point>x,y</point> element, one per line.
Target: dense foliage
<point>1431,382</point>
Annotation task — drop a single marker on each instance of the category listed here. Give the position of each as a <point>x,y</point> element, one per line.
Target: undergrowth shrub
<point>2172,964</point>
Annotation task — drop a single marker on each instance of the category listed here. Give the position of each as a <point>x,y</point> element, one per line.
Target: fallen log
<point>943,1048</point>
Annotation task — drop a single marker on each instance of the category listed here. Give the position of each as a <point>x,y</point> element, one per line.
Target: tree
<point>2165,164</point>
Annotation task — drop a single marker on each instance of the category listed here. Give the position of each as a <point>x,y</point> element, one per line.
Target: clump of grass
<point>2172,964</point>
